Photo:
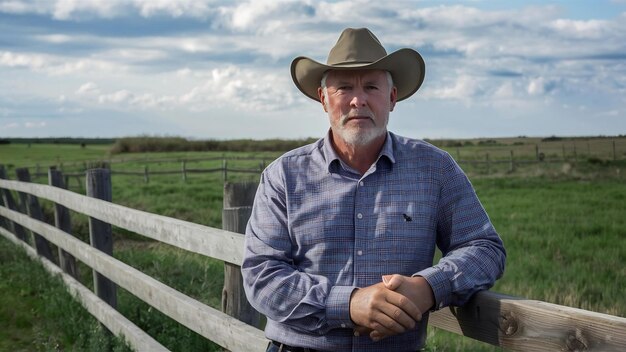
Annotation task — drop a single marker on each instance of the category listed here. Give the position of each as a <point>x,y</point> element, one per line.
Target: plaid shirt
<point>319,230</point>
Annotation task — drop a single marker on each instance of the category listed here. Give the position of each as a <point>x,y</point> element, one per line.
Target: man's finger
<point>405,304</point>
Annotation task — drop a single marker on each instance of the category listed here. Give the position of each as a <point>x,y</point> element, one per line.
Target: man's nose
<point>359,98</point>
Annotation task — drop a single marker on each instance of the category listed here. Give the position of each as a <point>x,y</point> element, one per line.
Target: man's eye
<point>372,87</point>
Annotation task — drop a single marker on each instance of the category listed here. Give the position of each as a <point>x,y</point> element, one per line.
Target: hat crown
<point>356,46</point>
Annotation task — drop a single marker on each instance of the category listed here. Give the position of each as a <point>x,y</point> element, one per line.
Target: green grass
<point>37,313</point>
<point>563,226</point>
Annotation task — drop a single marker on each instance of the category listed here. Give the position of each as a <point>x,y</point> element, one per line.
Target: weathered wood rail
<point>510,322</point>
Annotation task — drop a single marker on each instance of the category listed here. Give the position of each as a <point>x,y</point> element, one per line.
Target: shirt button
<point>359,215</point>
<point>343,325</point>
<point>361,183</point>
<point>359,252</point>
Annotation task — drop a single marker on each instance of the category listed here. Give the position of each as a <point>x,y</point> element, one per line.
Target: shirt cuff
<point>338,307</point>
<point>440,285</point>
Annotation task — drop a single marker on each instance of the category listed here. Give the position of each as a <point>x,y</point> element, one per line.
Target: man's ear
<point>320,94</point>
<point>393,97</point>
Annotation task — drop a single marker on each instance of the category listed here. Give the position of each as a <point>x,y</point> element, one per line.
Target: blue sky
<point>220,69</point>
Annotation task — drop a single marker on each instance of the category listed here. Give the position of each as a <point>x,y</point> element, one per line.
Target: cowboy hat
<point>359,49</point>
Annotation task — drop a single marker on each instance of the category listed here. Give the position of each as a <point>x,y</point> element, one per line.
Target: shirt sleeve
<point>473,253</point>
<point>272,282</point>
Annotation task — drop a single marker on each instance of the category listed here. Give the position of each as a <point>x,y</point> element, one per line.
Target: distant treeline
<point>59,140</point>
<point>179,144</point>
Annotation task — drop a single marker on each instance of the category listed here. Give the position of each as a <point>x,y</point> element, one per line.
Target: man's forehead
<point>351,74</point>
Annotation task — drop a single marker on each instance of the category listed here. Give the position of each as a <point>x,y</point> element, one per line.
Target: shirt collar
<point>333,162</point>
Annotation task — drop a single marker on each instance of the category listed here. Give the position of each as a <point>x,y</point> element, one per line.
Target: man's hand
<point>380,309</point>
<point>417,289</point>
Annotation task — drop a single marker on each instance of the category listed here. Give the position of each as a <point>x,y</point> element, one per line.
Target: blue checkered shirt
<point>319,230</point>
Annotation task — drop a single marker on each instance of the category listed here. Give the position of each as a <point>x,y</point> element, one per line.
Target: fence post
<point>146,176</point>
<point>537,152</point>
<point>62,221</point>
<point>31,206</point>
<point>9,202</point>
<point>487,162</point>
<point>184,170</point>
<point>224,170</point>
<point>238,199</point>
<point>98,184</point>
<point>512,168</point>
<point>614,153</point>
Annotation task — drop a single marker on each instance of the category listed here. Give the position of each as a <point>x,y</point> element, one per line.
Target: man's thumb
<point>392,282</point>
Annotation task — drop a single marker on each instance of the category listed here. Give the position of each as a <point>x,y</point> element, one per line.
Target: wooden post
<point>614,153</point>
<point>30,205</point>
<point>146,176</point>
<point>575,154</point>
<point>238,199</point>
<point>487,162</point>
<point>98,184</point>
<point>184,169</point>
<point>224,170</point>
<point>9,202</point>
<point>537,152</point>
<point>67,262</point>
<point>512,168</point>
<point>563,146</point>
<point>6,199</point>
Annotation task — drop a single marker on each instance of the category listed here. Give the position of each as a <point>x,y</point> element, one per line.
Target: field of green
<point>562,223</point>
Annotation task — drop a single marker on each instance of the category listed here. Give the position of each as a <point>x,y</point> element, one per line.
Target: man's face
<point>358,105</point>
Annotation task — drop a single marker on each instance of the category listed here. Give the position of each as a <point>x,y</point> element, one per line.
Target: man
<point>339,249</point>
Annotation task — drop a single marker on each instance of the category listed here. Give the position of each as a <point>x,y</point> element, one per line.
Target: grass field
<point>563,225</point>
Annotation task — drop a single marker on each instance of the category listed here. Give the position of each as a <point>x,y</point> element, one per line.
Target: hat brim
<point>406,66</point>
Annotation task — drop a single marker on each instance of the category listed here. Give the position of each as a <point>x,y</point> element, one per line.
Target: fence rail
<point>510,322</point>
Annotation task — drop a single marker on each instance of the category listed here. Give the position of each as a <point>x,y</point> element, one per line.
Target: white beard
<point>356,136</point>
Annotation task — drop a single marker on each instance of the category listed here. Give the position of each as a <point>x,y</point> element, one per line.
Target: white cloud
<point>464,88</point>
<point>39,124</point>
<point>22,60</point>
<point>87,89</point>
<point>174,8</point>
<point>10,125</point>
<point>541,86</point>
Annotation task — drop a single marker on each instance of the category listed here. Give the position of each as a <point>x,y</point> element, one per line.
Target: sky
<point>214,69</point>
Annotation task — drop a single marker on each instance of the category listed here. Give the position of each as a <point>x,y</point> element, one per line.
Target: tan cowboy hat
<point>359,49</point>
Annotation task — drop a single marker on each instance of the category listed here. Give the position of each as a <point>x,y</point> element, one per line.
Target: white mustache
<point>356,113</point>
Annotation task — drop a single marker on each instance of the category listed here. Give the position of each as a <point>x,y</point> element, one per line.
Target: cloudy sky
<point>220,69</point>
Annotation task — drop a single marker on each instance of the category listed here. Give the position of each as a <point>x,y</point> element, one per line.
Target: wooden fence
<point>510,322</point>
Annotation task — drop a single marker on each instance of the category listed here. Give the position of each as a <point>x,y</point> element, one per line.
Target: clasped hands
<point>390,307</point>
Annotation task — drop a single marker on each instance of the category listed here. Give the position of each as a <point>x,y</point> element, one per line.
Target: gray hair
<point>325,91</point>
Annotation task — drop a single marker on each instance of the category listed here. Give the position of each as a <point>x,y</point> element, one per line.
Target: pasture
<point>563,225</point>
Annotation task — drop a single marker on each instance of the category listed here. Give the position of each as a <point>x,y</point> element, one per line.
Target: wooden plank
<point>62,221</point>
<point>211,242</point>
<point>216,326</point>
<point>519,324</point>
<point>109,317</point>
<point>98,185</point>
